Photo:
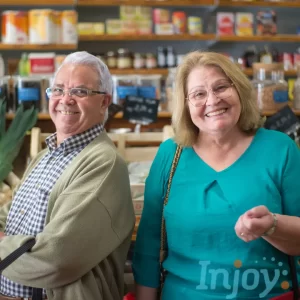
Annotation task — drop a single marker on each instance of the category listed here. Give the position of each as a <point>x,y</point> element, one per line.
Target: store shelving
<point>188,37</point>
<point>37,3</point>
<point>260,3</point>
<point>162,71</point>
<point>147,37</point>
<point>161,115</point>
<point>262,38</point>
<point>171,3</point>
<point>37,47</point>
<point>146,2</point>
<point>288,73</point>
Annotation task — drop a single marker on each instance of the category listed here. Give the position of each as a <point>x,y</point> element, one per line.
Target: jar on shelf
<point>280,93</point>
<point>151,62</point>
<point>296,91</point>
<point>111,59</point>
<point>264,88</point>
<point>124,60</point>
<point>138,61</point>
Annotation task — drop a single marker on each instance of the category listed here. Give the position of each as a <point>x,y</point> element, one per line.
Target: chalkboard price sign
<point>284,120</point>
<point>140,110</point>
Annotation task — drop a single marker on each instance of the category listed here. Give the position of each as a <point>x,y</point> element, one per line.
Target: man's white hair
<point>86,59</point>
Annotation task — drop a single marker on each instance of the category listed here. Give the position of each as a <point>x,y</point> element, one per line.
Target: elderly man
<point>75,198</point>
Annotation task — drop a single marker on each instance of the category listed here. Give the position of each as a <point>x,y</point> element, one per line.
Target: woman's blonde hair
<point>186,133</point>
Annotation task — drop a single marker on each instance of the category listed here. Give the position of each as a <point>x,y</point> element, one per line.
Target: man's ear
<point>106,101</point>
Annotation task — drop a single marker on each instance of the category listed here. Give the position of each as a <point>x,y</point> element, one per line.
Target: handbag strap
<point>163,235</point>
<point>37,294</point>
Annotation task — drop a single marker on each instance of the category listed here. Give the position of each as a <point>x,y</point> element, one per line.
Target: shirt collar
<point>74,142</point>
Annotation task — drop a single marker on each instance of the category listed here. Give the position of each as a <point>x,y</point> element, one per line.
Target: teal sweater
<point>206,260</point>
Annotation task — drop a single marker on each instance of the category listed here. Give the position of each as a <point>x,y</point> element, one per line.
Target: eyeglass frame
<point>89,91</point>
<point>187,98</point>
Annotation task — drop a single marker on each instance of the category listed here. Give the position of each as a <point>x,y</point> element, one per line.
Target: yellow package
<point>244,24</point>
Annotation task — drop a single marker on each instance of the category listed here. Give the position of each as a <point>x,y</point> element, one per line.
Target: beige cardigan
<point>81,252</point>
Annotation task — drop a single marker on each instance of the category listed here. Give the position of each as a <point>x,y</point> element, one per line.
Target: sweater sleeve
<point>291,174</point>
<point>89,220</point>
<point>146,253</point>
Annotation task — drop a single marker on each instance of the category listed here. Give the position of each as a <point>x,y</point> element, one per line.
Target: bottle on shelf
<point>161,57</point>
<point>171,57</point>
<point>24,65</point>
<point>280,93</point>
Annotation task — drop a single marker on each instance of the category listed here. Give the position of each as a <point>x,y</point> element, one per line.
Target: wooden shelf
<point>163,72</point>
<point>258,38</point>
<point>37,47</point>
<point>171,3</point>
<point>189,37</point>
<point>146,2</point>
<point>249,72</point>
<point>148,37</point>
<point>37,3</point>
<point>259,3</point>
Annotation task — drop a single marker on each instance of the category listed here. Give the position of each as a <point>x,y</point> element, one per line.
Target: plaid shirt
<point>29,208</point>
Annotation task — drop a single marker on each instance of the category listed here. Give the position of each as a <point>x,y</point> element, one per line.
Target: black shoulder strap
<point>37,294</point>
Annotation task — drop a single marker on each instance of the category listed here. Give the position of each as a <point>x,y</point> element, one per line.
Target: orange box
<point>14,27</point>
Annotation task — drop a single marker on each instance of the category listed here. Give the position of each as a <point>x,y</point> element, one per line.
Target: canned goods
<point>194,25</point>
<point>14,27</point>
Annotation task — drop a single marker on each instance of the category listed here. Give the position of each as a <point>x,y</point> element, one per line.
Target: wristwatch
<point>272,229</point>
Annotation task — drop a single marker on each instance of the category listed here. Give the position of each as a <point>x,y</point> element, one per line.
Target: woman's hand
<point>254,223</point>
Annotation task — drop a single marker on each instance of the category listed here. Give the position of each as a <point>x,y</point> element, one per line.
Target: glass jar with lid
<point>280,93</point>
<point>264,88</point>
<point>151,61</point>
<point>124,59</point>
<point>138,61</point>
<point>111,59</point>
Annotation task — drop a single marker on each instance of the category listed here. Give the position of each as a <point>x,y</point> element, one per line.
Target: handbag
<point>163,235</point>
<point>37,293</point>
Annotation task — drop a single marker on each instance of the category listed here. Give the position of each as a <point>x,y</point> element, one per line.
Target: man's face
<point>73,114</point>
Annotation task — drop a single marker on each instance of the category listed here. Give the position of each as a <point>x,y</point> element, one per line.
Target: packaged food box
<point>225,23</point>
<point>144,27</point>
<point>85,28</point>
<point>128,27</point>
<point>128,12</point>
<point>266,23</point>
<point>143,13</point>
<point>113,26</point>
<point>161,16</point>
<point>244,24</point>
<point>98,28</point>
<point>166,28</point>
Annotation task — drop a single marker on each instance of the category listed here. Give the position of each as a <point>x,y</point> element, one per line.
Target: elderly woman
<point>231,219</point>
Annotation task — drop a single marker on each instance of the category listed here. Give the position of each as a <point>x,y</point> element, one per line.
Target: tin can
<point>194,25</point>
<point>14,27</point>
<point>69,27</point>
<point>41,26</point>
<point>179,22</point>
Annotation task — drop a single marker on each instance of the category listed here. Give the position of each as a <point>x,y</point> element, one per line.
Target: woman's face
<point>214,103</point>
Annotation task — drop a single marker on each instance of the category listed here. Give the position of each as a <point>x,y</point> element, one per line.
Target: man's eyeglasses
<point>56,92</point>
<point>221,91</point>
